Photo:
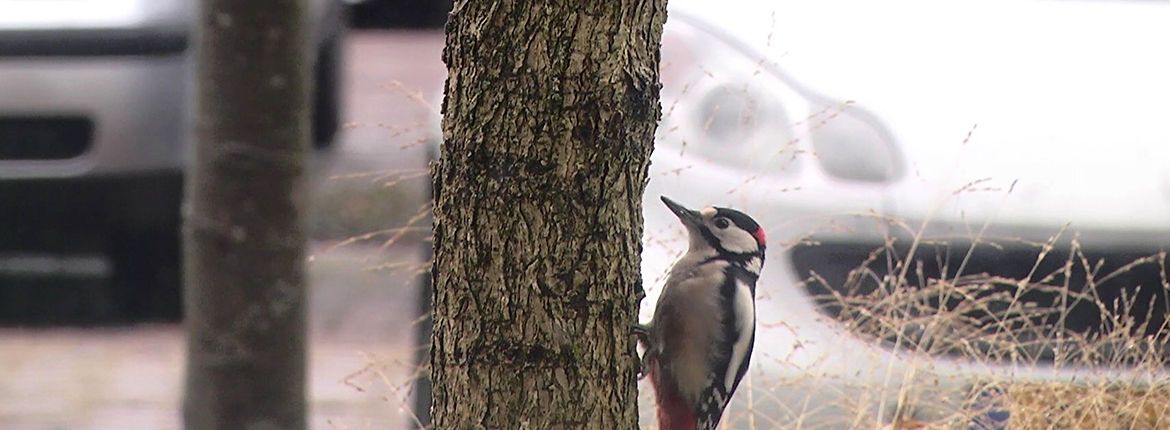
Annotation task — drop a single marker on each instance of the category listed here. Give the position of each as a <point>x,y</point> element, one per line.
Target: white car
<point>94,112</point>
<point>934,179</point>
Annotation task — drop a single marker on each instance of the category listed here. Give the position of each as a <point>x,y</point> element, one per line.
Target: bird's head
<point>727,232</point>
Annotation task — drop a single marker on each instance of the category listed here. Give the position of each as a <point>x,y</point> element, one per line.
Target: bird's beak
<point>688,217</point>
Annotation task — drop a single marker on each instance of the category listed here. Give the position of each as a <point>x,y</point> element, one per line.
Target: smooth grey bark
<point>245,294</point>
<point>548,127</point>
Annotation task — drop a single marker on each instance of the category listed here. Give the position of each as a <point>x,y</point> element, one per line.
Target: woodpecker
<point>699,341</point>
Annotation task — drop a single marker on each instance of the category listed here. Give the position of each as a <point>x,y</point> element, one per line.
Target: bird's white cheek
<point>739,243</point>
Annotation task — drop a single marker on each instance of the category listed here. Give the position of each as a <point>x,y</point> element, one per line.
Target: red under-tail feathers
<point>673,412</point>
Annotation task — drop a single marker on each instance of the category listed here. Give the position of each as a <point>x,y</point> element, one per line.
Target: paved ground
<point>362,343</point>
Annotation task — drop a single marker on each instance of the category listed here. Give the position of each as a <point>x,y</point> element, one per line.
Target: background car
<point>94,114</point>
<point>957,199</point>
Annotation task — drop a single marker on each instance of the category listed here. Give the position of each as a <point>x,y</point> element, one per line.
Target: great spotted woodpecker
<point>699,342</point>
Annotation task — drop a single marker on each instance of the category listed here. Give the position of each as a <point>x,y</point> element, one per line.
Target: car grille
<point>44,138</point>
<point>1008,300</point>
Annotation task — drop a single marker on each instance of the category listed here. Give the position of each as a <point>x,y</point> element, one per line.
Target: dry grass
<point>1072,312</point>
<point>1088,407</point>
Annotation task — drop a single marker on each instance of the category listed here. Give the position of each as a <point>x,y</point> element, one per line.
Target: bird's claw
<point>642,333</point>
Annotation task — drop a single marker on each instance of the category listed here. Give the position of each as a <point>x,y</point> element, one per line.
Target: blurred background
<point>92,96</point>
<point>896,152</point>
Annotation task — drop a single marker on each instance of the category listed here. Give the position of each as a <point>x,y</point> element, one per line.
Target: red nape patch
<point>760,237</point>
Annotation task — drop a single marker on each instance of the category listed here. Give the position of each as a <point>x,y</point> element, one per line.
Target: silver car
<point>94,111</point>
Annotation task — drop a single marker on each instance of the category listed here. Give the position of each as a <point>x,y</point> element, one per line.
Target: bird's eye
<point>722,223</point>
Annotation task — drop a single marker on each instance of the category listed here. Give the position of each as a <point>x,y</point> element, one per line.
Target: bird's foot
<point>642,333</point>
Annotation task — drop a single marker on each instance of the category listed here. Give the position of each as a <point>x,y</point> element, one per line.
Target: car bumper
<point>135,105</point>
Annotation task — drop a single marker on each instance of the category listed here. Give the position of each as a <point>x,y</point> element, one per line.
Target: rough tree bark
<point>245,289</point>
<point>548,126</point>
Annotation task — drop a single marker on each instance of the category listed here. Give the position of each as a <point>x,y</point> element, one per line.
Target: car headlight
<point>726,105</point>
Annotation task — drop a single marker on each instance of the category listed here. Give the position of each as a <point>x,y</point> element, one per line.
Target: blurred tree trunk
<point>244,237</point>
<point>548,126</point>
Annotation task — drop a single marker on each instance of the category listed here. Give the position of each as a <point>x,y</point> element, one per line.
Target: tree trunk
<point>548,126</point>
<point>243,228</point>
